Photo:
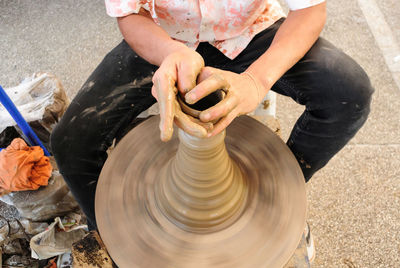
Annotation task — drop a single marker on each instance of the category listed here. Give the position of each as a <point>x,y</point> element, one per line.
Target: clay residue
<point>88,252</point>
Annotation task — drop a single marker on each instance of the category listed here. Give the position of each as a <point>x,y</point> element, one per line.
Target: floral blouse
<point>229,25</point>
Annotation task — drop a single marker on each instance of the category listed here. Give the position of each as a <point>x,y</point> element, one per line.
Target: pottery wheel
<point>136,224</point>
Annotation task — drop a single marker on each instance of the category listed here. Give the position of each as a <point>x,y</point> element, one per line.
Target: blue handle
<point>26,129</point>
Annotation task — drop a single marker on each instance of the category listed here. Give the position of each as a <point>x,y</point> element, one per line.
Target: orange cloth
<point>23,167</point>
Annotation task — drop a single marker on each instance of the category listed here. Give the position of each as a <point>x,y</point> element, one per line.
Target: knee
<point>358,96</point>
<point>57,139</point>
<point>349,89</point>
<point>68,134</point>
<point>359,89</point>
<point>353,101</point>
<point>65,134</point>
<point>343,94</point>
<point>68,145</point>
<point>58,148</point>
<point>339,81</point>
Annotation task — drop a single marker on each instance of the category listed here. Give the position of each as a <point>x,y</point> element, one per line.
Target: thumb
<point>205,73</point>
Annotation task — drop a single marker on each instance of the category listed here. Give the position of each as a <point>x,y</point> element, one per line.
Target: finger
<point>192,130</point>
<point>223,123</point>
<point>186,81</point>
<point>207,86</point>
<point>221,109</point>
<point>183,121</point>
<point>154,92</point>
<point>207,125</point>
<point>166,94</point>
<point>187,75</point>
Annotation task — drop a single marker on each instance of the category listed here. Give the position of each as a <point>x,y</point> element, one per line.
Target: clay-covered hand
<point>244,93</point>
<point>178,71</point>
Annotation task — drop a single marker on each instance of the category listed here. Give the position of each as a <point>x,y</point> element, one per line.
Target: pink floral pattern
<point>229,25</point>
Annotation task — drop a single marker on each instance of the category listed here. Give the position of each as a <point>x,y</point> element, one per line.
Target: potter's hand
<point>244,93</point>
<point>178,71</point>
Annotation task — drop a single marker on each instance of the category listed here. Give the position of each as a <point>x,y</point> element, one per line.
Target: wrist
<point>171,47</point>
<point>258,85</point>
<point>265,79</point>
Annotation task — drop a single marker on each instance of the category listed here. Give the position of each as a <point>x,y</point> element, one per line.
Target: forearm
<point>146,38</point>
<point>294,38</point>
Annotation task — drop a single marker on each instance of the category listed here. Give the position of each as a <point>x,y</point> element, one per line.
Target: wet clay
<point>203,190</point>
<point>236,200</point>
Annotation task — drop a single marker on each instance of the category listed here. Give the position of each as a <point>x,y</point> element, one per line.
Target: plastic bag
<point>56,239</point>
<point>14,242</point>
<point>33,96</point>
<point>17,229</point>
<point>41,100</point>
<point>20,261</point>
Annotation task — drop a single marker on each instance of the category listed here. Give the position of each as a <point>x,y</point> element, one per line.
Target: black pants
<point>335,90</point>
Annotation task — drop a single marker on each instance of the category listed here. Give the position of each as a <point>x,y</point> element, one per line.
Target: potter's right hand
<point>177,72</point>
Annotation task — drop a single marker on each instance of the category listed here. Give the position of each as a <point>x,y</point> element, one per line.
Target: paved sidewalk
<point>354,202</point>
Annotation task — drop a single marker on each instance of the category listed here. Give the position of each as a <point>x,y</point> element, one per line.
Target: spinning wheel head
<point>146,218</point>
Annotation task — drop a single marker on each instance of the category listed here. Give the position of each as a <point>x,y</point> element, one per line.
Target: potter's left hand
<point>244,93</point>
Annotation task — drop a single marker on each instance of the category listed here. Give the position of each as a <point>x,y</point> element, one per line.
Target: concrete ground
<point>354,202</point>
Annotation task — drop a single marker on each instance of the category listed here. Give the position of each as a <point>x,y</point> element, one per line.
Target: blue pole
<point>16,115</point>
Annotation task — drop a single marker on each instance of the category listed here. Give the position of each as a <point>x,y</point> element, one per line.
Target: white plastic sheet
<point>56,240</point>
<point>31,97</point>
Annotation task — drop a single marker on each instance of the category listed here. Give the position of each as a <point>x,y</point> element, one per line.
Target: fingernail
<point>189,98</point>
<point>209,135</point>
<point>207,116</point>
